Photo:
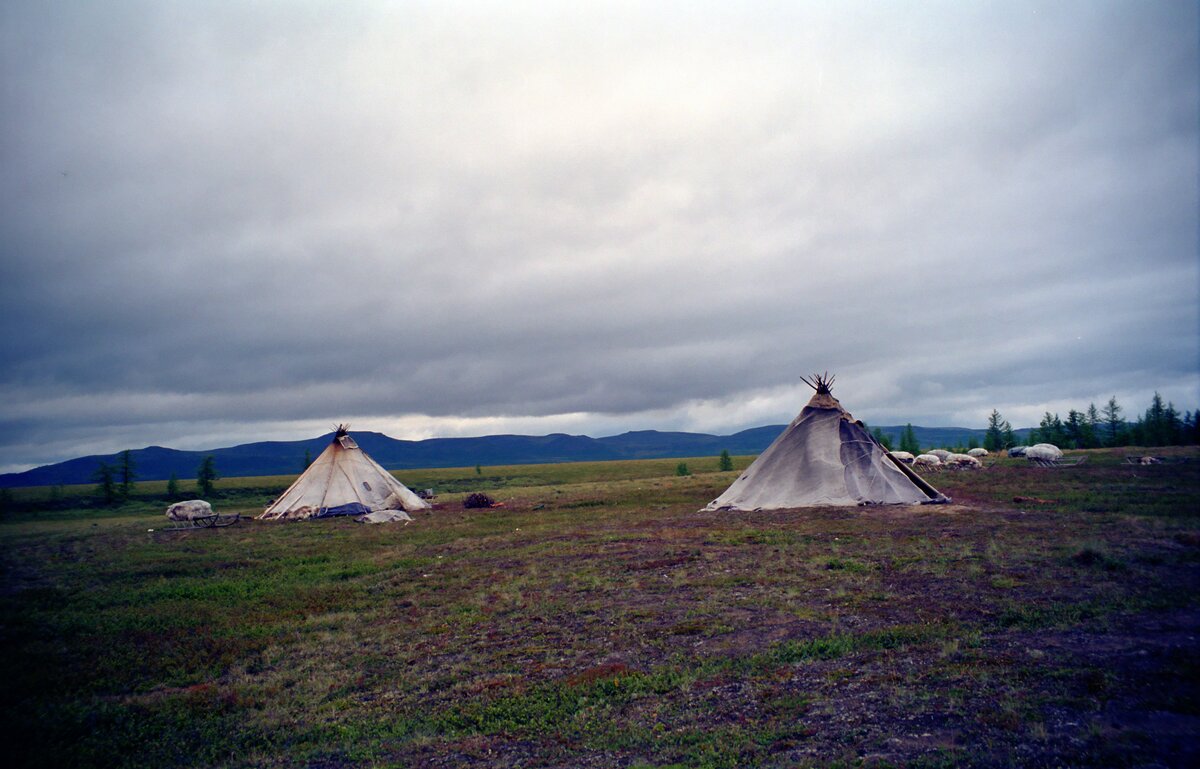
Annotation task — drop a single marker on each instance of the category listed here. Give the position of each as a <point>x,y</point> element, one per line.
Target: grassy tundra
<point>598,620</point>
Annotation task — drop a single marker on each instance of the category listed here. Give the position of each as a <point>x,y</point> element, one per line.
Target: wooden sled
<point>204,522</point>
<point>1064,462</point>
<point>1142,461</point>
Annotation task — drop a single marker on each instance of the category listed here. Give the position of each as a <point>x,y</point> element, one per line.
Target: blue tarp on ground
<point>354,508</point>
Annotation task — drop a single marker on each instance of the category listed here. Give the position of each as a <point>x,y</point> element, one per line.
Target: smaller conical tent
<point>344,481</point>
<point>824,457</point>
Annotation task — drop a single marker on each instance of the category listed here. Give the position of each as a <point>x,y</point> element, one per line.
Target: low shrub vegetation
<point>599,619</point>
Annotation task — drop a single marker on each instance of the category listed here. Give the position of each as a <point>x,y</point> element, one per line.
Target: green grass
<point>250,494</point>
<point>599,620</point>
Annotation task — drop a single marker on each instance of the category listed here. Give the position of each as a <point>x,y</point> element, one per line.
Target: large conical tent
<point>824,457</point>
<point>345,481</point>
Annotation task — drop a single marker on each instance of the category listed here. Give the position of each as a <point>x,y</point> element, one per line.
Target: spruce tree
<point>206,476</point>
<point>1073,429</point>
<point>1091,427</point>
<point>1060,431</point>
<point>1156,423</point>
<point>1113,423</point>
<point>1136,433</point>
<point>1051,430</point>
<point>1010,438</point>
<point>994,438</point>
<point>1174,425</point>
<point>908,440</point>
<point>1191,428</point>
<point>106,483</point>
<point>126,467</point>
<point>726,462</point>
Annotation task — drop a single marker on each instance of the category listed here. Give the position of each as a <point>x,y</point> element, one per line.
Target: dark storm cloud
<point>222,224</point>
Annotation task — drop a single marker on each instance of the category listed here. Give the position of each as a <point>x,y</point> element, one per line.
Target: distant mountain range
<point>155,463</point>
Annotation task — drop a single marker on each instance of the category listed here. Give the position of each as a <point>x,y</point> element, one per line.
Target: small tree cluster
<point>1077,432</point>
<point>682,469</point>
<point>1163,425</point>
<point>115,482</point>
<point>1160,425</point>
<point>908,440</point>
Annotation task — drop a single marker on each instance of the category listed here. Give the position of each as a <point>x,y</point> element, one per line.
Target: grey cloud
<point>260,216</point>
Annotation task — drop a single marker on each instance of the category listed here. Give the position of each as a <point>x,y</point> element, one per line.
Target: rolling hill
<point>287,457</point>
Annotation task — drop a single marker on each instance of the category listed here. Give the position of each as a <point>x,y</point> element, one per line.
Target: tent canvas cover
<point>343,480</point>
<point>825,457</point>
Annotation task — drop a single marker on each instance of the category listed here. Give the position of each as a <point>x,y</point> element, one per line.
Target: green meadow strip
<point>557,706</point>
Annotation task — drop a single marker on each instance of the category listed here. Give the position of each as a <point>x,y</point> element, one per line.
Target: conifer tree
<point>908,440</point>
<point>1073,429</point>
<point>1191,428</point>
<point>1136,432</point>
<point>999,433</point>
<point>206,476</point>
<point>1160,423</point>
<point>126,467</point>
<point>726,460</point>
<point>1091,427</point>
<point>1113,423</point>
<point>1051,430</point>
<point>1173,428</point>
<point>106,483</point>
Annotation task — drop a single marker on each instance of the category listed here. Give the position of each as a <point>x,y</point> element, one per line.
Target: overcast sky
<point>229,222</point>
